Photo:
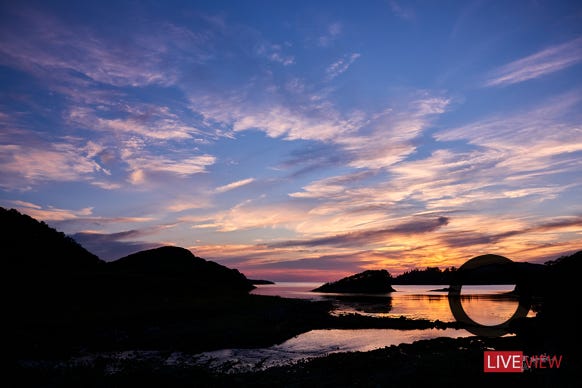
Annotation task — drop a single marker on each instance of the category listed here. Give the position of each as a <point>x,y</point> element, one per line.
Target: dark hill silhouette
<point>556,326</point>
<point>53,268</point>
<point>528,275</point>
<point>179,265</point>
<point>64,298</point>
<point>562,289</point>
<point>33,247</point>
<point>492,274</point>
<point>367,282</point>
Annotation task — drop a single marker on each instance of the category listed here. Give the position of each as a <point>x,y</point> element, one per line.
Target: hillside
<point>34,247</point>
<point>52,265</point>
<point>171,265</point>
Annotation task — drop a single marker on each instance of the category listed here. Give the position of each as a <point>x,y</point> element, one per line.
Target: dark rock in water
<point>444,289</point>
<point>170,265</point>
<point>367,282</point>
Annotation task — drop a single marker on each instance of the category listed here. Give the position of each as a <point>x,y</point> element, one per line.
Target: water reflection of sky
<point>316,343</point>
<point>486,305</point>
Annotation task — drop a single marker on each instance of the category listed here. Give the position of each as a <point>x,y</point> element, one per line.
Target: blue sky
<point>297,140</point>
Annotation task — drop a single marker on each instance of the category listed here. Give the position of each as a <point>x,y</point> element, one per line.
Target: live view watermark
<point>510,361</point>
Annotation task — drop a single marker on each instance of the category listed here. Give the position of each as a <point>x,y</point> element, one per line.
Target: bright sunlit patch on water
<point>489,305</point>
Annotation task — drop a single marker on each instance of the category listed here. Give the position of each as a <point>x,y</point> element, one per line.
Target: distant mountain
<point>33,247</point>
<point>367,282</point>
<point>171,264</point>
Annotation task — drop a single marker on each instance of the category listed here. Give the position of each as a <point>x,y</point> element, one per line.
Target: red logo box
<point>509,361</point>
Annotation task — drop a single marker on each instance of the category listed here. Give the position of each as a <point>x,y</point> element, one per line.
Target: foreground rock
<point>440,362</point>
<point>367,282</point>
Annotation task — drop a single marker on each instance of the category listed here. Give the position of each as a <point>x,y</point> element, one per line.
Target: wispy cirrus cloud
<point>369,237</point>
<point>393,131</point>
<point>61,217</point>
<point>401,11</point>
<point>32,161</point>
<point>95,75</point>
<point>518,156</point>
<point>141,166</point>
<point>544,138</point>
<point>518,238</point>
<point>44,45</point>
<point>292,121</point>
<point>49,213</point>
<point>365,140</point>
<point>547,61</point>
<point>275,53</point>
<point>184,202</point>
<point>374,141</point>
<point>234,185</point>
<point>149,121</point>
<point>334,30</point>
<point>248,215</point>
<point>281,264</point>
<point>132,139</point>
<point>24,164</point>
<point>341,65</point>
<point>281,121</point>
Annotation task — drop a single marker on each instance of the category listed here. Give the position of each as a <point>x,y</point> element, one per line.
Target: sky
<point>297,140</point>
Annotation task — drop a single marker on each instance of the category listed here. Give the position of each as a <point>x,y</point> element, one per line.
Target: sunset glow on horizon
<point>297,140</point>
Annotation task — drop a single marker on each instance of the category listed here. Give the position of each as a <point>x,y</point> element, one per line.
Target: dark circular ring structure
<point>485,263</point>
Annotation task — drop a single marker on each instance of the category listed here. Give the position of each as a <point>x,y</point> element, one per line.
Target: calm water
<point>484,304</point>
<point>316,343</point>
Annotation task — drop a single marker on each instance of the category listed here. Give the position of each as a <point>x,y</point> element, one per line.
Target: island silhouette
<point>367,282</point>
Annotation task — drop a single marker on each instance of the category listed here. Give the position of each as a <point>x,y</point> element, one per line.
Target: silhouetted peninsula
<point>367,282</point>
<point>260,281</point>
<point>180,265</point>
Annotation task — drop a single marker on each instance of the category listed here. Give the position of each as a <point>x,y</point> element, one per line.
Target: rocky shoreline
<point>436,362</point>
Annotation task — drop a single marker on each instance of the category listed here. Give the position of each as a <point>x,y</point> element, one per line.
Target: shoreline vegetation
<point>148,302</point>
